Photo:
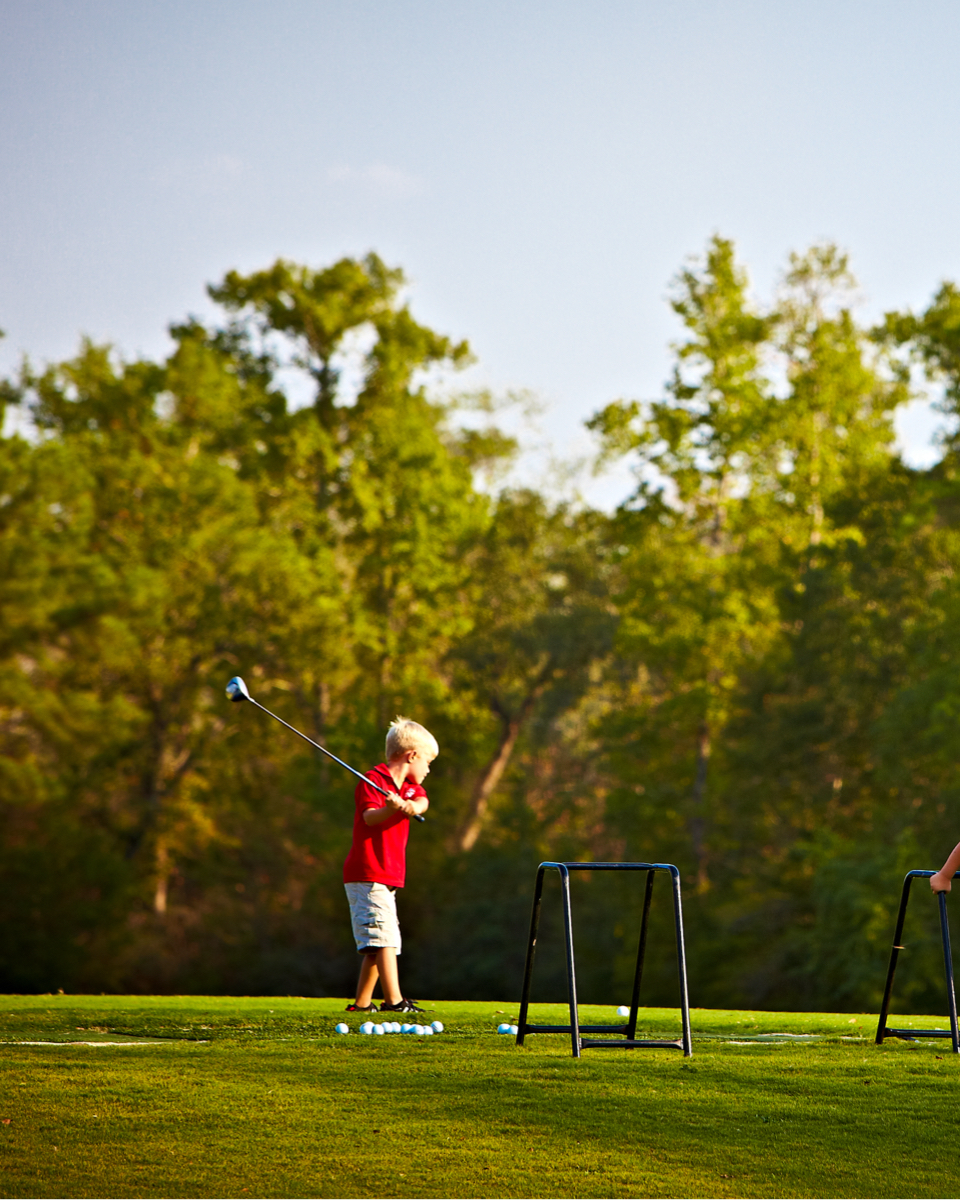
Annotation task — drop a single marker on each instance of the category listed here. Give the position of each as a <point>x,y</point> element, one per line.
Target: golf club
<point>237,691</point>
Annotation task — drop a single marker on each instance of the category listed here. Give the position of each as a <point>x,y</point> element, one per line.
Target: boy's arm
<point>391,805</point>
<point>942,880</point>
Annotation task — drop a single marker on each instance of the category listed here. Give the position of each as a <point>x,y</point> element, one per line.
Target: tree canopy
<point>747,669</point>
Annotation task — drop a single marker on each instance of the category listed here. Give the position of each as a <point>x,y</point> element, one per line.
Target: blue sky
<point>540,171</point>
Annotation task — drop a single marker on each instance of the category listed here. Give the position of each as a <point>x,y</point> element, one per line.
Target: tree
<point>700,601</point>
<point>384,479</point>
<point>835,425</point>
<point>933,340</point>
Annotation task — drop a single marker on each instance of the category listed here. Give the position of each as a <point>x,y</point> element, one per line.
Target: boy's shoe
<point>360,1008</point>
<point>403,1006</point>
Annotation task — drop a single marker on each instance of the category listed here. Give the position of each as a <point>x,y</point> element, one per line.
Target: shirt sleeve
<point>369,797</point>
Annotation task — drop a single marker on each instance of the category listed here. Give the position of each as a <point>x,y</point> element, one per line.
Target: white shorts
<point>373,914</point>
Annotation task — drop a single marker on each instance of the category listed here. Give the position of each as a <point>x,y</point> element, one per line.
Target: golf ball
<point>426,1030</point>
<point>378,1029</point>
<point>623,1011</point>
<point>341,1028</point>
<point>503,1028</point>
<point>514,1029</point>
<point>406,1028</point>
<point>437,1027</point>
<point>366,1027</point>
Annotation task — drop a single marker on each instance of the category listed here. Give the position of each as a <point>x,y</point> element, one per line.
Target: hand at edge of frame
<point>939,884</point>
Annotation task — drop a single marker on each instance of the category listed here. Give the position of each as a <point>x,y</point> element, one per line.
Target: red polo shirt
<point>379,852</point>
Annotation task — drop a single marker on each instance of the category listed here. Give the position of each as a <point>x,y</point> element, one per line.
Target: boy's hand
<point>401,805</point>
<point>940,882</point>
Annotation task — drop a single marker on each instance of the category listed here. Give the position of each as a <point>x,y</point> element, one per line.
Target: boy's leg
<point>369,974</point>
<point>386,965</point>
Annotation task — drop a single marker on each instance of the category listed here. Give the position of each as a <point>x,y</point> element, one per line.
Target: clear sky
<point>540,170</point>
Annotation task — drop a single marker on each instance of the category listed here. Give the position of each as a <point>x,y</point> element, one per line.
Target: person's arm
<point>391,805</point>
<point>419,806</point>
<point>942,880</point>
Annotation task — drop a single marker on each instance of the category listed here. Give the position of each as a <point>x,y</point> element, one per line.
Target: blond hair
<point>404,735</point>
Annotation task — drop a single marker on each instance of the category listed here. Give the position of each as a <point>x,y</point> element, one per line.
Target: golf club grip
<point>323,750</point>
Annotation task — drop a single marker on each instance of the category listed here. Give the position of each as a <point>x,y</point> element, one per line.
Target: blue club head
<point>237,690</point>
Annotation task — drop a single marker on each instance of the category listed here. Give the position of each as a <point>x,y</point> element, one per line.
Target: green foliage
<point>933,340</point>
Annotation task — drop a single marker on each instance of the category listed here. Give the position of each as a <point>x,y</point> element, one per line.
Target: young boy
<point>944,877</point>
<point>376,864</point>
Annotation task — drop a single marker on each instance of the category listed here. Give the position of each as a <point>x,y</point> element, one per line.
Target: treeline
<point>750,669</point>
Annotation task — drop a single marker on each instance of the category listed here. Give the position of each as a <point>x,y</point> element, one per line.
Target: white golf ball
<point>437,1027</point>
<point>623,1011</point>
<point>426,1030</point>
<point>514,1029</point>
<point>378,1029</point>
<point>406,1028</point>
<point>341,1028</point>
<point>503,1028</point>
<point>366,1027</point>
<point>418,1030</point>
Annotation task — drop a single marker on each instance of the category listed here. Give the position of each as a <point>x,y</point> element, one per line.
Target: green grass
<point>260,1097</point>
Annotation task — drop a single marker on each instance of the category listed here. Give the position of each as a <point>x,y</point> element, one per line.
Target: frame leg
<point>641,952</point>
<point>531,954</point>
<point>948,969</point>
<point>682,967</point>
<point>894,955</point>
<point>571,968</point>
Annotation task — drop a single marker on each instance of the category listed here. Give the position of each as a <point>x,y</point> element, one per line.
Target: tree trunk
<point>163,879</point>
<point>510,731</point>
<point>385,665</point>
<point>698,819</point>
<point>488,781</point>
<point>816,505</point>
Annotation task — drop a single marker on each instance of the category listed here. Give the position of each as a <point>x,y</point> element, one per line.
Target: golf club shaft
<point>323,750</point>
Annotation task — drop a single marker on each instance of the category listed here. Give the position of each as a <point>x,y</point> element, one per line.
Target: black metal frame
<point>883,1029</point>
<point>575,1029</point>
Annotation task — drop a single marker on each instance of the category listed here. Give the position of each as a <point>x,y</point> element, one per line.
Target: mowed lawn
<point>260,1097</point>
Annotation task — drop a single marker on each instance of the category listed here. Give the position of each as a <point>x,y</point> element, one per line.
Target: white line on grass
<point>167,1042</point>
